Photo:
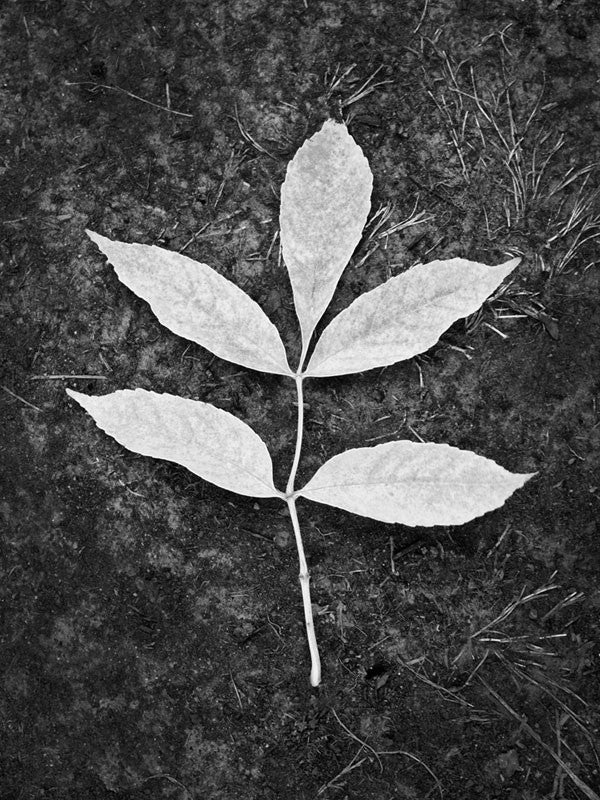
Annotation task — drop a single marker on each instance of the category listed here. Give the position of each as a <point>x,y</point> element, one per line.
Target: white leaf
<point>413,484</point>
<point>404,316</point>
<point>206,440</point>
<point>194,301</point>
<point>325,201</point>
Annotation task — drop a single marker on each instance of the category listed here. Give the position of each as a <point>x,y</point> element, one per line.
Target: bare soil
<point>152,632</point>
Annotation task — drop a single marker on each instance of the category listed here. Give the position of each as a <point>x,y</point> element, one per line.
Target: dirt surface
<point>152,632</point>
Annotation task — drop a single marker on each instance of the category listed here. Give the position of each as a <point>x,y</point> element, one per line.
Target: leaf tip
<point>334,124</point>
<point>514,482</point>
<point>512,264</point>
<point>103,243</point>
<point>77,396</point>
<point>83,400</point>
<point>525,476</point>
<point>95,237</point>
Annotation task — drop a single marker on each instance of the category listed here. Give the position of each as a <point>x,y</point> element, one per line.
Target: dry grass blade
<point>509,609</point>
<point>453,132</point>
<point>418,761</point>
<point>450,694</point>
<point>378,222</point>
<point>496,138</point>
<point>582,223</point>
<point>356,739</point>
<point>187,795</point>
<point>527,659</point>
<point>354,764</point>
<point>378,753</point>
<point>422,17</point>
<point>581,785</point>
<point>248,138</point>
<point>95,86</point>
<point>550,688</point>
<point>366,89</point>
<point>335,83</point>
<point>573,597</point>
<point>570,177</point>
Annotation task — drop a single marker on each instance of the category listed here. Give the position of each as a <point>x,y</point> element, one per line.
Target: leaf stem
<point>290,498</point>
<point>299,435</point>
<point>304,577</point>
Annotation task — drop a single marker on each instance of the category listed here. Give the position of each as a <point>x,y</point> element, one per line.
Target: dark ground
<point>152,634</point>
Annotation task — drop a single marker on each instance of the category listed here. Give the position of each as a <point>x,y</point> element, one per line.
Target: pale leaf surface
<point>404,316</point>
<point>206,440</point>
<point>413,484</point>
<point>325,201</point>
<point>194,301</point>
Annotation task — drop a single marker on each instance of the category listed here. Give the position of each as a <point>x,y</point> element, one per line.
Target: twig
<point>193,238</point>
<point>356,739</point>
<point>68,377</point>
<point>22,399</point>
<point>129,94</point>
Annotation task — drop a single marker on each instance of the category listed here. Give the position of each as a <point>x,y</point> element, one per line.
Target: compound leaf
<point>206,440</point>
<point>413,484</point>
<point>195,302</point>
<point>404,316</point>
<point>325,201</point>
